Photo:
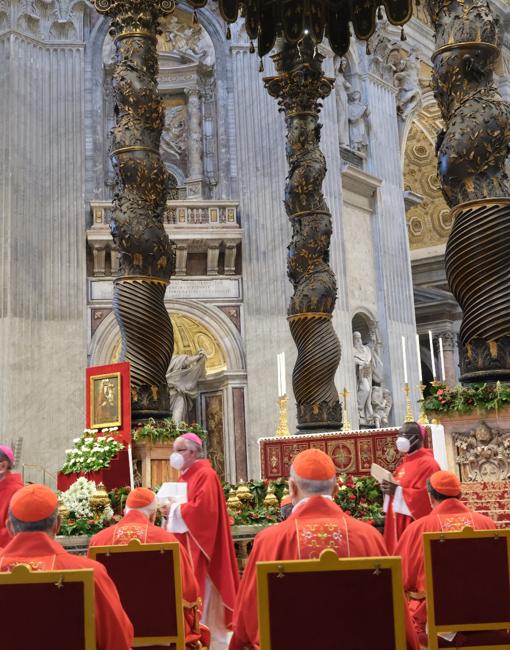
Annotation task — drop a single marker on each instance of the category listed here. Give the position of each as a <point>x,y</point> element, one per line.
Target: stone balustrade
<point>195,226</point>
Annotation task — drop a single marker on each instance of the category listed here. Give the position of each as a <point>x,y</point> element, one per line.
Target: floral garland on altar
<point>466,399</point>
<point>78,514</point>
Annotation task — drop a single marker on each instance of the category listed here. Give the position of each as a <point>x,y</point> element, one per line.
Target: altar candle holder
<point>283,424</point>
<point>423,413</point>
<point>409,411</point>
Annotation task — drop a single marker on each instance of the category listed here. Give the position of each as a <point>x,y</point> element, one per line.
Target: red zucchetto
<point>445,483</point>
<point>314,465</point>
<point>140,498</point>
<point>33,503</point>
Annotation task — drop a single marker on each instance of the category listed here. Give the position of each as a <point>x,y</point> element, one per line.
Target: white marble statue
<point>363,362</point>
<point>174,136</point>
<point>358,115</point>
<point>342,89</point>
<point>407,81</point>
<point>382,403</point>
<point>183,375</point>
<point>375,346</point>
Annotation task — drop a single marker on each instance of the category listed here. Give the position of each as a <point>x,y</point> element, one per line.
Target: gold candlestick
<point>423,419</point>
<point>283,425</point>
<point>409,411</point>
<point>346,425</point>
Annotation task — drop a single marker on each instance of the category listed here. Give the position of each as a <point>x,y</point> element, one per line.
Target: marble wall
<point>42,240</point>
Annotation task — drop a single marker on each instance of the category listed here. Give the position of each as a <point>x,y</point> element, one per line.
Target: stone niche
<point>478,446</point>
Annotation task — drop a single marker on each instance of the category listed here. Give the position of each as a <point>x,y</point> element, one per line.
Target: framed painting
<point>109,399</point>
<point>105,400</point>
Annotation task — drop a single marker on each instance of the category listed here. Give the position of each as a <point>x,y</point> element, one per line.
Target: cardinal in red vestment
<point>202,526</point>
<point>33,523</point>
<point>448,514</point>
<point>9,484</point>
<point>406,497</point>
<point>138,523</point>
<point>312,487</point>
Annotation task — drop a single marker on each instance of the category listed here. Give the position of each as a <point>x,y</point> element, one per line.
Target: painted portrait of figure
<point>105,401</point>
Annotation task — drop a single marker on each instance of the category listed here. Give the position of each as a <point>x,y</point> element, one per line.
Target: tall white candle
<point>404,358</point>
<point>278,364</point>
<point>419,357</point>
<point>432,360</point>
<point>284,380</point>
<point>441,358</point>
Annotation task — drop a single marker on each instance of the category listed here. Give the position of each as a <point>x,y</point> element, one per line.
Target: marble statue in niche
<point>183,375</point>
<point>342,89</point>
<point>407,80</point>
<point>374,400</point>
<point>363,363</point>
<point>358,121</point>
<point>174,138</point>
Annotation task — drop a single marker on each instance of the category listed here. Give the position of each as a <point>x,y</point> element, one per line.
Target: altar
<point>352,452</point>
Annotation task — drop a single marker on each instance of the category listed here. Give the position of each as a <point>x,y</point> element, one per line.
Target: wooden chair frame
<point>433,628</point>
<point>136,546</point>
<point>328,562</point>
<point>23,575</point>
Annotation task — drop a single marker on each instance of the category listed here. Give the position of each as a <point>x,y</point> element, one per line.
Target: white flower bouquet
<point>92,451</point>
<point>78,517</point>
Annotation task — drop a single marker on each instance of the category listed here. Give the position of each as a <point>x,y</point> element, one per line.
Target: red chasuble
<point>135,525</point>
<point>411,475</point>
<point>113,628</point>
<point>449,515</point>
<point>8,486</point>
<point>314,526</point>
<point>208,540</point>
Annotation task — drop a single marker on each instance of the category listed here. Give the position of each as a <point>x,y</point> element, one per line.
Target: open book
<point>176,491</point>
<point>381,474</point>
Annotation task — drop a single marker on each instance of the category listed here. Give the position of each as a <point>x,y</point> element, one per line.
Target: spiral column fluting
<point>299,87</point>
<point>472,150</point>
<point>139,202</point>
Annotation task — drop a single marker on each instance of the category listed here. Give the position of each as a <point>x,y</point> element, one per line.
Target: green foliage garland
<point>156,431</point>
<point>466,399</point>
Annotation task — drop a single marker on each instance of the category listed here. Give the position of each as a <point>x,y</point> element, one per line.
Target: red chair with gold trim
<point>351,603</point>
<point>468,589</point>
<point>148,579</point>
<point>47,610</point>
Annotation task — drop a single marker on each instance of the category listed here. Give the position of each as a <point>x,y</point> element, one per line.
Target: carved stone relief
<point>174,137</point>
<point>483,454</point>
<point>190,42</point>
<point>47,20</point>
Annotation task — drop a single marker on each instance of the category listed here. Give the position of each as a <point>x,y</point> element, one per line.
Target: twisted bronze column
<point>139,202</point>
<point>299,87</point>
<point>472,150</point>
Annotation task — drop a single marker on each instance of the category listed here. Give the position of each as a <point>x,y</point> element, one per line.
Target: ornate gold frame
<point>329,561</point>
<point>433,629</point>
<point>118,420</point>
<point>136,546</point>
<point>23,575</point>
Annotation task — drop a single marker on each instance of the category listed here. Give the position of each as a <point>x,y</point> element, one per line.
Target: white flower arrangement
<point>92,451</point>
<point>80,517</point>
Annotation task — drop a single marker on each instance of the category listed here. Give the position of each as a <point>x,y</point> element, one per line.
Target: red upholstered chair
<point>468,588</point>
<point>148,578</point>
<point>47,610</point>
<point>331,603</point>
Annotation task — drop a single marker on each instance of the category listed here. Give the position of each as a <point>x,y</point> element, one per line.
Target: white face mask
<point>403,445</point>
<point>176,460</point>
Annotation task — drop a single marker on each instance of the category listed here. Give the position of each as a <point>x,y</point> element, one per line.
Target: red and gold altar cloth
<point>352,452</point>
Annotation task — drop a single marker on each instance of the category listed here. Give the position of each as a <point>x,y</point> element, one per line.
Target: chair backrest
<point>148,579</point>
<point>320,603</point>
<point>47,610</point>
<point>467,582</point>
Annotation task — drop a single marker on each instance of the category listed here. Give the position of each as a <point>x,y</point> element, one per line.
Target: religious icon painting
<point>108,399</point>
<point>105,401</point>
